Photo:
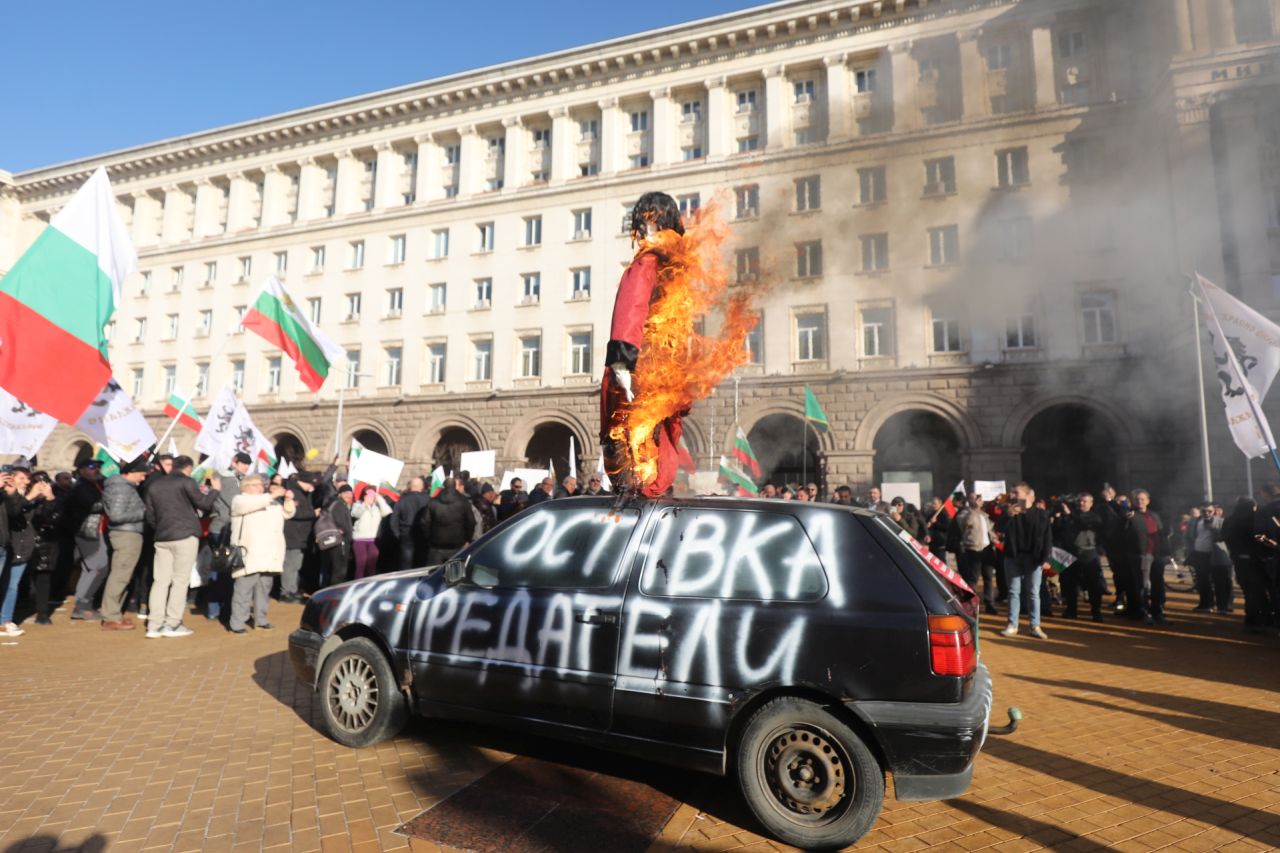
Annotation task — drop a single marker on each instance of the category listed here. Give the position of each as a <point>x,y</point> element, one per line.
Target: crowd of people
<point>153,541</point>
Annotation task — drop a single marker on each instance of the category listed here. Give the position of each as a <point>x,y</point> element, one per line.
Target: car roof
<point>714,502</point>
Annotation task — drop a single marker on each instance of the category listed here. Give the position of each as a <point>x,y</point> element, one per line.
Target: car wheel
<point>807,776</point>
<point>359,698</point>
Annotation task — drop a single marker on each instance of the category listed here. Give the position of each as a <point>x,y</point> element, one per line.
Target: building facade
<point>974,218</point>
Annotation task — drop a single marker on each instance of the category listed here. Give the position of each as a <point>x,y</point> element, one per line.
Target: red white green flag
<point>745,485</point>
<point>744,455</point>
<point>179,407</point>
<point>56,300</point>
<point>437,481</point>
<point>279,320</point>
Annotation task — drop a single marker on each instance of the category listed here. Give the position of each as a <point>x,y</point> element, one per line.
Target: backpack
<point>326,533</point>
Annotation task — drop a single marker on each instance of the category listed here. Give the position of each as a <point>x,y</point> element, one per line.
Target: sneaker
<point>153,633</point>
<point>142,611</point>
<point>238,630</point>
<point>265,626</point>
<point>1039,633</point>
<point>10,629</point>
<point>1202,610</point>
<point>86,615</point>
<point>43,620</point>
<point>179,631</point>
<point>1009,632</point>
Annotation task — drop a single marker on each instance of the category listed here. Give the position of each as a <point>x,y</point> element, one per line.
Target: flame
<point>678,366</point>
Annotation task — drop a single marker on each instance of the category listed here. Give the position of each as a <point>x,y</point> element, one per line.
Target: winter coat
<point>509,502</point>
<point>1082,534</point>
<point>173,503</point>
<point>975,534</point>
<point>913,522</point>
<point>486,515</point>
<point>538,495</point>
<point>82,509</point>
<point>21,534</point>
<point>1029,535</point>
<point>341,515</point>
<point>1135,536</point>
<point>222,506</point>
<point>368,518</point>
<point>406,512</point>
<point>1237,530</point>
<point>297,530</point>
<point>124,506</point>
<point>257,525</point>
<point>448,521</point>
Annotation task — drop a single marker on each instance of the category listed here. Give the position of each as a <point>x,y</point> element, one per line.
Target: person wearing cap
<point>174,503</point>
<point>339,557</point>
<point>83,524</point>
<point>484,504</point>
<point>125,514</point>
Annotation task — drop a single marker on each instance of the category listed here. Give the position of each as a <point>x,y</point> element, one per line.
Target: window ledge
<point>1010,188</point>
<point>573,299</point>
<point>436,258</point>
<point>527,246</point>
<point>480,308</point>
<point>948,359</point>
<point>874,273</point>
<point>314,273</point>
<point>805,213</point>
<point>933,196</point>
<point>1022,354</point>
<point>872,205</point>
<point>819,366</point>
<point>434,312</point>
<point>752,370</point>
<point>528,303</point>
<point>578,240</point>
<point>349,321</point>
<point>807,279</point>
<point>479,384</point>
<point>481,253</point>
<point>431,388</point>
<point>1112,350</point>
<point>394,264</point>
<point>579,379</point>
<point>528,382</point>
<point>877,362</point>
<point>949,265</point>
<point>387,391</point>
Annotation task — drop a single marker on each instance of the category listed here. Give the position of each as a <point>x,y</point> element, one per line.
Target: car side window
<point>757,556</point>
<point>556,547</point>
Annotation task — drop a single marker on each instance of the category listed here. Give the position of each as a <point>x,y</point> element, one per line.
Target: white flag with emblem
<point>22,429</point>
<point>1246,357</point>
<point>115,422</point>
<point>217,422</point>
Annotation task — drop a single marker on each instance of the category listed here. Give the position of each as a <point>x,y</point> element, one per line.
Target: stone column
<point>147,219</point>
<point>310,177</point>
<point>514,173</point>
<point>173,221</point>
<point>906,115</point>
<point>839,102</point>
<point>611,137</point>
<point>1226,24</point>
<point>1246,184</point>
<point>275,186</point>
<point>718,117</point>
<point>777,107</point>
<point>206,224</point>
<point>563,145</point>
<point>1045,64</point>
<point>472,156</point>
<point>662,130</point>
<point>1195,207</point>
<point>429,187</point>
<point>346,199</point>
<point>387,181</point>
<point>973,77</point>
<point>239,203</point>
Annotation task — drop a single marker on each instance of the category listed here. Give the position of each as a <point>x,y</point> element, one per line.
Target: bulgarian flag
<point>1060,560</point>
<point>267,461</point>
<point>276,318</point>
<point>744,455</point>
<point>746,486</point>
<point>179,407</point>
<point>437,481</point>
<point>388,491</point>
<point>56,300</point>
<point>950,503</point>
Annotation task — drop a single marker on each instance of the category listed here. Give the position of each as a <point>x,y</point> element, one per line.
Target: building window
<point>353,368</point>
<point>1098,310</point>
<point>435,363</point>
<point>541,137</point>
<point>811,337</point>
<point>808,193</point>
<point>638,161</point>
<point>330,191</point>
<point>452,155</point>
<point>170,379</point>
<point>273,375</point>
<point>202,379</point>
<point>1020,332</point>
<point>1072,44</point>
<point>409,178</point>
<point>206,323</point>
<point>484,237</point>
<point>804,91</point>
<point>246,268</point>
<point>210,273</point>
<point>688,204</point>
<point>139,330</point>
<point>940,176</point>
<point>391,366</point>
<point>864,80</point>
<point>395,301</point>
<point>999,57</point>
<point>240,311</point>
<point>440,243</point>
<point>691,152</point>
<point>237,375</point>
<point>437,295</point>
<point>175,279</point>
<point>313,310</point>
<point>171,327</point>
<point>531,283</point>
<point>580,353</point>
<point>530,356</point>
<point>747,201</point>
<point>1253,20</point>
<point>747,262</point>
<point>582,224</point>
<point>484,293</point>
<point>396,251</point>
<point>482,360</point>
<point>747,101</point>
<point>1014,239</point>
<point>581,278</point>
<point>588,130</point>
<point>944,245</point>
<point>532,231</point>
<point>282,262</point>
<point>317,258</point>
<point>1011,167</point>
<point>809,259</point>
<point>872,187</point>
<point>357,255</point>
<point>639,121</point>
<point>877,332</point>
<point>748,143</point>
<point>138,382</point>
<point>145,288</point>
<point>946,334</point>
<point>370,181</point>
<point>690,111</point>
<point>875,252</point>
<point>754,343</point>
<point>805,136</point>
<point>354,301</point>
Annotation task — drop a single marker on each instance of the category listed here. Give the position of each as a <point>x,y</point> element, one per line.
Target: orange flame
<point>678,366</point>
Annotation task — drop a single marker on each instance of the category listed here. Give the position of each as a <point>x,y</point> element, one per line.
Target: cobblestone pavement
<point>1134,739</point>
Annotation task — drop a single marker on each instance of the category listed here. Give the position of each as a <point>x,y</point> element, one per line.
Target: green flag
<point>109,465</point>
<point>813,412</point>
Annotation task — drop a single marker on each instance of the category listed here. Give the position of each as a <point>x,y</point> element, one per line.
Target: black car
<point>806,648</point>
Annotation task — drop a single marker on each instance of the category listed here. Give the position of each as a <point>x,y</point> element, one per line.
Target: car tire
<point>807,776</point>
<point>360,701</point>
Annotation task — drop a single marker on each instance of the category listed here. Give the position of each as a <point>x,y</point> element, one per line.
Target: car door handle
<point>594,618</point>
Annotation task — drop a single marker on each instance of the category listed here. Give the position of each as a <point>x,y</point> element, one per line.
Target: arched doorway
<point>918,447</point>
<point>550,442</point>
<point>370,440</point>
<point>289,446</point>
<point>784,453</point>
<point>454,441</point>
<point>81,452</point>
<point>1068,448</point>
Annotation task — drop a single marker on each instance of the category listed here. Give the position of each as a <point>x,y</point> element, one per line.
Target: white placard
<point>373,468</point>
<point>989,489</point>
<point>909,492</point>
<point>531,477</point>
<point>479,463</point>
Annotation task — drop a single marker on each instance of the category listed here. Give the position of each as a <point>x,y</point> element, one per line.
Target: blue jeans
<point>1023,571</point>
<point>11,592</point>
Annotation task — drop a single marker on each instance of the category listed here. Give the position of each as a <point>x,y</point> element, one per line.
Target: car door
<point>533,630</point>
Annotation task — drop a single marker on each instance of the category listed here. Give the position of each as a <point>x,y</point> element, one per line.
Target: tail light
<point>951,647</point>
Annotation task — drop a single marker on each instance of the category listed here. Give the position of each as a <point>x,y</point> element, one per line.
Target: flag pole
<point>1204,412</point>
<point>804,451</point>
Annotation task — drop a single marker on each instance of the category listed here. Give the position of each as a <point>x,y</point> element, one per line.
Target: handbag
<point>326,533</point>
<point>228,558</point>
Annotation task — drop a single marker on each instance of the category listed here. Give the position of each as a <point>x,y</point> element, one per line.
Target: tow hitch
<point>1015,714</point>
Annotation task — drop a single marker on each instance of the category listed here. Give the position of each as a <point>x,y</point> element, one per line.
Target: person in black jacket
<point>486,509</point>
<point>404,520</point>
<point>1266,553</point>
<point>297,533</point>
<point>1028,543</point>
<point>174,503</point>
<point>19,499</point>
<point>1082,538</point>
<point>338,558</point>
<point>510,499</point>
<point>448,524</point>
<point>1112,512</point>
<point>939,521</point>
<point>1237,535</point>
<point>1146,550</point>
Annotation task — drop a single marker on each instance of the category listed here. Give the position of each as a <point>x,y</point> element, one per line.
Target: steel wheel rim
<point>807,771</point>
<point>353,693</point>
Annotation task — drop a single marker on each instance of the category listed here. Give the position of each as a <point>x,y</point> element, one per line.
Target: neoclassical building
<point>975,218</point>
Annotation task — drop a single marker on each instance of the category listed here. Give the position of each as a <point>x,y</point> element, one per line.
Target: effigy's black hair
<point>658,208</point>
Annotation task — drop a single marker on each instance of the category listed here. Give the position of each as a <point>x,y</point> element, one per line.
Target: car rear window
<point>758,556</point>
<point>555,547</point>
<point>938,569</point>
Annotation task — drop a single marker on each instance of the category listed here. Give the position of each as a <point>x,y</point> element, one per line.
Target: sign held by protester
<point>909,492</point>
<point>479,463</point>
<point>989,489</point>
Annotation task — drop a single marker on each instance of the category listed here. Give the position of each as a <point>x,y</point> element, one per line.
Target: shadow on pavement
<point>43,843</point>
<point>1052,837</point>
<point>274,674</point>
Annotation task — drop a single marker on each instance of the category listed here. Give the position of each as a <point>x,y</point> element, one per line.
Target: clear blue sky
<point>88,76</point>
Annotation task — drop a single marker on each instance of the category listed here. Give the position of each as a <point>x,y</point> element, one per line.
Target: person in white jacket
<point>257,526</point>
<point>367,514</point>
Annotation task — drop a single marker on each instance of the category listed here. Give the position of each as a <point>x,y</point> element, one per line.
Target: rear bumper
<point>931,748</point>
<point>304,653</point>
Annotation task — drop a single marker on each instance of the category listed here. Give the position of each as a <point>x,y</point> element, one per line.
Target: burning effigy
<point>658,361</point>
